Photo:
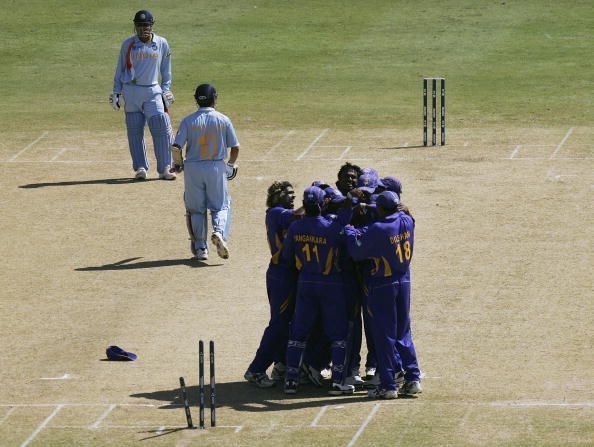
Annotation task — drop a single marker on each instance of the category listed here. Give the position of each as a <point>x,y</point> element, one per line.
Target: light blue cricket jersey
<point>141,63</point>
<point>207,133</point>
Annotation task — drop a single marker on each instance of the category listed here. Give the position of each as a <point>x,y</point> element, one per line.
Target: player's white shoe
<point>312,374</point>
<point>141,174</point>
<point>221,245</point>
<point>261,380</point>
<point>278,372</point>
<point>354,380</point>
<point>338,389</point>
<point>168,175</point>
<point>410,388</point>
<point>373,382</point>
<point>369,371</point>
<point>380,393</point>
<point>201,254</point>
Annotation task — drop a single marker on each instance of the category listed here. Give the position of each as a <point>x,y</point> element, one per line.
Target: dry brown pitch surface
<point>502,307</point>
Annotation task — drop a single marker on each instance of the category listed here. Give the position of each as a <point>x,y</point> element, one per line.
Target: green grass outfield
<point>306,63</point>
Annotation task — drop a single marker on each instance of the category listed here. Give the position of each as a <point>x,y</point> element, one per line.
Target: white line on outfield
<point>569,132</point>
<point>537,404</point>
<point>515,152</point>
<point>313,143</point>
<point>314,423</point>
<point>8,413</point>
<point>348,148</point>
<point>13,158</point>
<point>102,417</point>
<point>277,145</point>
<point>42,426</point>
<point>64,149</point>
<point>365,423</point>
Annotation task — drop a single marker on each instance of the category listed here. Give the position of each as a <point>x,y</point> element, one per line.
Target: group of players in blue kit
<point>340,266</point>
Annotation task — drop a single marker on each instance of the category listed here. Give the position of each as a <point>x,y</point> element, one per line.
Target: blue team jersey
<point>278,220</point>
<point>388,243</point>
<point>141,63</point>
<point>314,245</point>
<point>208,134</point>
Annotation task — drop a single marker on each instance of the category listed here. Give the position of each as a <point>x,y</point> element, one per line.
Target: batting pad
<point>160,127</point>
<point>135,125</point>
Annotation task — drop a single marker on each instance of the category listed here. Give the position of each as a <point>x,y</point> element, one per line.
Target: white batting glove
<point>168,98</point>
<point>231,169</point>
<point>114,100</point>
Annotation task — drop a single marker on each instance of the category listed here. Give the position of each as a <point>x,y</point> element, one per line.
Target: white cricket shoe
<point>219,242</point>
<point>201,254</point>
<point>278,372</point>
<point>338,389</point>
<point>168,175</point>
<point>141,174</point>
<point>380,393</point>
<point>291,387</point>
<point>370,371</point>
<point>354,380</point>
<point>410,388</point>
<point>373,382</point>
<point>261,380</point>
<point>312,374</point>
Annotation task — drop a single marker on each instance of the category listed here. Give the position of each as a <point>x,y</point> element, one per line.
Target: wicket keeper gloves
<point>178,159</point>
<point>231,170</point>
<point>114,100</point>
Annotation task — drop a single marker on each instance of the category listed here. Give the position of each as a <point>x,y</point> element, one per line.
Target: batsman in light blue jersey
<point>207,136</point>
<point>143,59</point>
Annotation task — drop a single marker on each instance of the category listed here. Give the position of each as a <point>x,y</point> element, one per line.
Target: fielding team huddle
<point>340,265</point>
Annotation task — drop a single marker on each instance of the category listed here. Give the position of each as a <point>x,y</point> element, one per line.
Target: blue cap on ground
<point>392,184</point>
<point>334,195</point>
<point>117,353</point>
<point>313,195</point>
<point>388,200</point>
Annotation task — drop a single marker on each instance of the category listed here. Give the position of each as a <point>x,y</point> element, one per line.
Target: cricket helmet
<point>143,17</point>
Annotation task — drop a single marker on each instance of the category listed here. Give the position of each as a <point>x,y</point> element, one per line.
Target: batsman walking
<point>143,58</point>
<point>207,135</point>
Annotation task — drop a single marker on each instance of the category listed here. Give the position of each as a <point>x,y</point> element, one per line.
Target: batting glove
<point>114,100</point>
<point>231,170</point>
<point>168,98</point>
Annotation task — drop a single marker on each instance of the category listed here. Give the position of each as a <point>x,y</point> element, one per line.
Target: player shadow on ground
<point>125,264</point>
<point>242,396</point>
<point>104,181</point>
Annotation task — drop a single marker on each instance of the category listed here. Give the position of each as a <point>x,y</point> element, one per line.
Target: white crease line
<point>42,426</point>
<point>365,423</point>
<point>314,423</point>
<point>313,143</point>
<point>569,132</point>
<point>515,152</point>
<point>291,132</point>
<point>102,417</point>
<point>348,148</point>
<point>587,404</point>
<point>66,376</point>
<point>64,149</point>
<point>13,158</point>
<point>8,413</point>
<point>79,405</point>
